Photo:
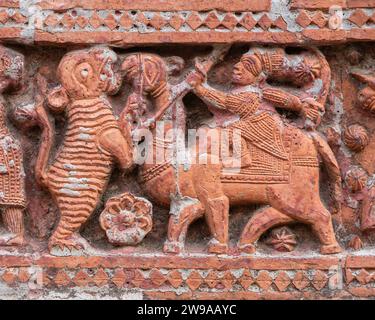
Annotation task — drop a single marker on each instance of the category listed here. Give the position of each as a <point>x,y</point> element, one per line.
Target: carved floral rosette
<point>356,137</point>
<point>126,219</point>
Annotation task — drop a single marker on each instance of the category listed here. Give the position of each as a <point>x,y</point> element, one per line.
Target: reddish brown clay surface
<point>187,149</point>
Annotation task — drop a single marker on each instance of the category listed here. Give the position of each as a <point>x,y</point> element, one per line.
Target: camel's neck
<point>170,128</point>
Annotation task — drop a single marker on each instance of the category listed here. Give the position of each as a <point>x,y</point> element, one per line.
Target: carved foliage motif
<point>356,137</point>
<point>282,239</point>
<point>356,179</point>
<point>126,219</point>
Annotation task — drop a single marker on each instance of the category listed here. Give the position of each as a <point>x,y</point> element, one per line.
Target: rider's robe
<point>260,128</point>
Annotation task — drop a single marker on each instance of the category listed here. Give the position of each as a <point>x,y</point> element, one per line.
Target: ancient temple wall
<point>83,217</point>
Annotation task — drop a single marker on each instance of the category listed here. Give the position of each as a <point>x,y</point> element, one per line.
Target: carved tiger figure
<point>92,142</point>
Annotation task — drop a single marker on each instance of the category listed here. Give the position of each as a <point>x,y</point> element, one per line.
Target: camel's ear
<point>58,99</point>
<point>174,65</point>
<point>370,80</point>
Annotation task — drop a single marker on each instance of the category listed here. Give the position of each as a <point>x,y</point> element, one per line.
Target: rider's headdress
<point>252,63</point>
<point>270,62</point>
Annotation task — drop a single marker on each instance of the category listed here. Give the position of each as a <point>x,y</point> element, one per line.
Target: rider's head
<point>248,70</point>
<point>258,64</point>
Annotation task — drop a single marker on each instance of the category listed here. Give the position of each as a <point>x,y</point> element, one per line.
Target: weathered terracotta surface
<point>187,149</point>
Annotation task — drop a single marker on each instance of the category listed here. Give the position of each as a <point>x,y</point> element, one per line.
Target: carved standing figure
<point>92,143</point>
<point>12,176</point>
<point>360,140</point>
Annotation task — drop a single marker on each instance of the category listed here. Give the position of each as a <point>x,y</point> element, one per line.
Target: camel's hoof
<point>172,247</point>
<point>330,249</point>
<point>218,248</point>
<point>356,243</point>
<point>247,248</point>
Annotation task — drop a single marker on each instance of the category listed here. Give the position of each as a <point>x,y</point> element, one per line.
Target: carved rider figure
<point>254,101</point>
<point>12,193</point>
<point>210,193</point>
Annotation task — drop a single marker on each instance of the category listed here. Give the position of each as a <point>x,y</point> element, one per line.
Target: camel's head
<point>148,73</point>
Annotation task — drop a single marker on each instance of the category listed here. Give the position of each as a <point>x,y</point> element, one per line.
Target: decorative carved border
<point>199,5</point>
<point>195,276</point>
<point>129,23</point>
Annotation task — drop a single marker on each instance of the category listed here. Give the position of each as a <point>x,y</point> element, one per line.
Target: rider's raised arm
<point>242,103</point>
<point>282,99</point>
<point>211,96</point>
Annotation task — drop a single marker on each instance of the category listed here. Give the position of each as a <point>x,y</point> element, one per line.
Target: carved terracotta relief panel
<point>180,150</point>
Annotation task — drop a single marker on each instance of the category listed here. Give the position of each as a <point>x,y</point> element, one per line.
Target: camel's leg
<point>217,212</point>
<point>333,169</point>
<point>178,225</point>
<point>259,223</point>
<point>310,211</point>
<point>322,225</point>
<point>209,190</point>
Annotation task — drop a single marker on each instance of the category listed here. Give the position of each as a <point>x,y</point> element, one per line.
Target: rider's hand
<point>198,76</point>
<point>195,79</point>
<point>312,110</point>
<point>133,103</point>
<point>312,114</point>
<point>310,103</point>
<point>149,123</point>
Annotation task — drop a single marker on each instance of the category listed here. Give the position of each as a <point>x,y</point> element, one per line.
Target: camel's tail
<point>333,169</point>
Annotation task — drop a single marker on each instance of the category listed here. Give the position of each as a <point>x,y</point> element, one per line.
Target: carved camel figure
<point>203,190</point>
<point>92,143</point>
